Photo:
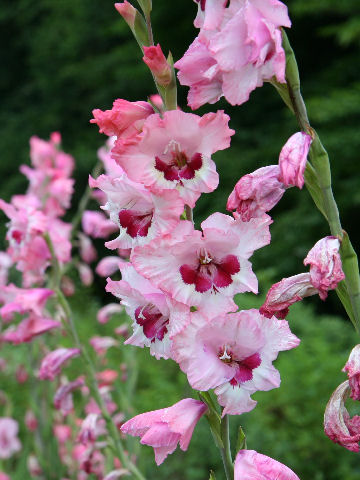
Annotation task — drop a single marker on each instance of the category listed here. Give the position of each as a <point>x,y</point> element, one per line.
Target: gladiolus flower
<point>164,429</point>
<point>233,353</point>
<point>53,362</point>
<point>9,442</point>
<point>251,465</point>
<point>28,329</point>
<point>338,425</point>
<point>292,160</point>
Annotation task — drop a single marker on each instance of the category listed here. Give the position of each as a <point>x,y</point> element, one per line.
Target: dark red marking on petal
<point>230,264</point>
<point>245,368</point>
<point>17,235</point>
<point>137,224</point>
<point>154,323</point>
<point>188,274</point>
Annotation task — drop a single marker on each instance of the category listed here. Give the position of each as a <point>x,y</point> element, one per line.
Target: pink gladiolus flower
<point>283,294</point>
<point>28,329</point>
<point>174,151</point>
<point>102,344</point>
<point>21,300</point>
<point>352,368</point>
<point>106,312</point>
<point>292,160</point>
<point>107,377</point>
<point>125,119</point>
<point>139,214</point>
<point>251,465</point>
<point>88,431</point>
<point>63,433</point>
<point>338,425</point>
<point>3,476</point>
<point>325,265</point>
<point>9,442</point>
<point>107,266</point>
<point>156,317</point>
<point>127,11</point>
<point>156,61</point>
<point>163,429</point>
<point>256,193</point>
<point>211,68</point>
<point>233,353</point>
<point>63,396</point>
<point>53,362</point>
<point>205,269</point>
<point>97,225</point>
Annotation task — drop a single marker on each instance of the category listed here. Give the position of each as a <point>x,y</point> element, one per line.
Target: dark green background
<point>61,59</point>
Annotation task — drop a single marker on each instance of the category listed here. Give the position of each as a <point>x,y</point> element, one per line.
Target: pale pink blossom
<point>9,442</point>
<point>85,273</point>
<point>107,266</point>
<point>52,364</point>
<point>3,476</point>
<point>251,465</point>
<point>286,292</point>
<point>22,300</point>
<point>31,421</point>
<point>352,368</point>
<point>156,317</point>
<point>46,155</point>
<point>205,269</point>
<point>156,61</point>
<point>21,374</point>
<point>88,431</point>
<point>164,429</point>
<point>102,344</point>
<point>106,312</point>
<point>110,166</point>
<point>338,425</point>
<point>33,466</point>
<point>5,265</point>
<point>325,265</point>
<point>256,193</point>
<point>29,328</point>
<point>292,160</point>
<point>106,377</point>
<point>237,49</point>
<point>97,225</point>
<point>88,252</point>
<point>63,400</point>
<point>139,214</point>
<point>174,151</point>
<point>62,432</point>
<point>233,353</point>
<point>125,119</point>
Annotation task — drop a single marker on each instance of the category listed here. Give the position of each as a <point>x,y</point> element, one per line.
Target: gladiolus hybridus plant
<point>180,285</point>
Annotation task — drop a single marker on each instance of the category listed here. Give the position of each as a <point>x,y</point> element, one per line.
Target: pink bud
<point>107,266</point>
<point>62,433</point>
<point>34,466</point>
<point>67,286</point>
<point>156,61</point>
<point>21,374</point>
<point>292,160</point>
<point>352,367</point>
<point>251,465</point>
<point>127,11</point>
<point>325,265</point>
<point>163,429</point>
<point>31,421</point>
<point>106,312</point>
<point>63,395</point>
<point>86,274</point>
<point>338,425</point>
<point>87,432</point>
<point>87,251</point>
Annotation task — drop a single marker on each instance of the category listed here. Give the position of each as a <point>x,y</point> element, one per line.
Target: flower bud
<point>156,61</point>
<point>352,367</point>
<point>292,160</point>
<point>128,12</point>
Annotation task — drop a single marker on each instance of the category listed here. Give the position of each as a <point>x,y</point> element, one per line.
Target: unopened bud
<point>156,61</point>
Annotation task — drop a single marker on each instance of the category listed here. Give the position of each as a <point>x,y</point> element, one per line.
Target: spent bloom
<point>352,368</point>
<point>251,465</point>
<point>338,425</point>
<point>164,429</point>
<point>233,353</point>
<point>256,193</point>
<point>9,442</point>
<point>292,160</point>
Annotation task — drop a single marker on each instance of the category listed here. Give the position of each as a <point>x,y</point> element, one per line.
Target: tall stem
<point>321,165</point>
<point>226,449</point>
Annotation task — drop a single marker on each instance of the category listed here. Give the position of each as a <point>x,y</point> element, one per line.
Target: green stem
<point>226,450</point>
<point>321,180</point>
